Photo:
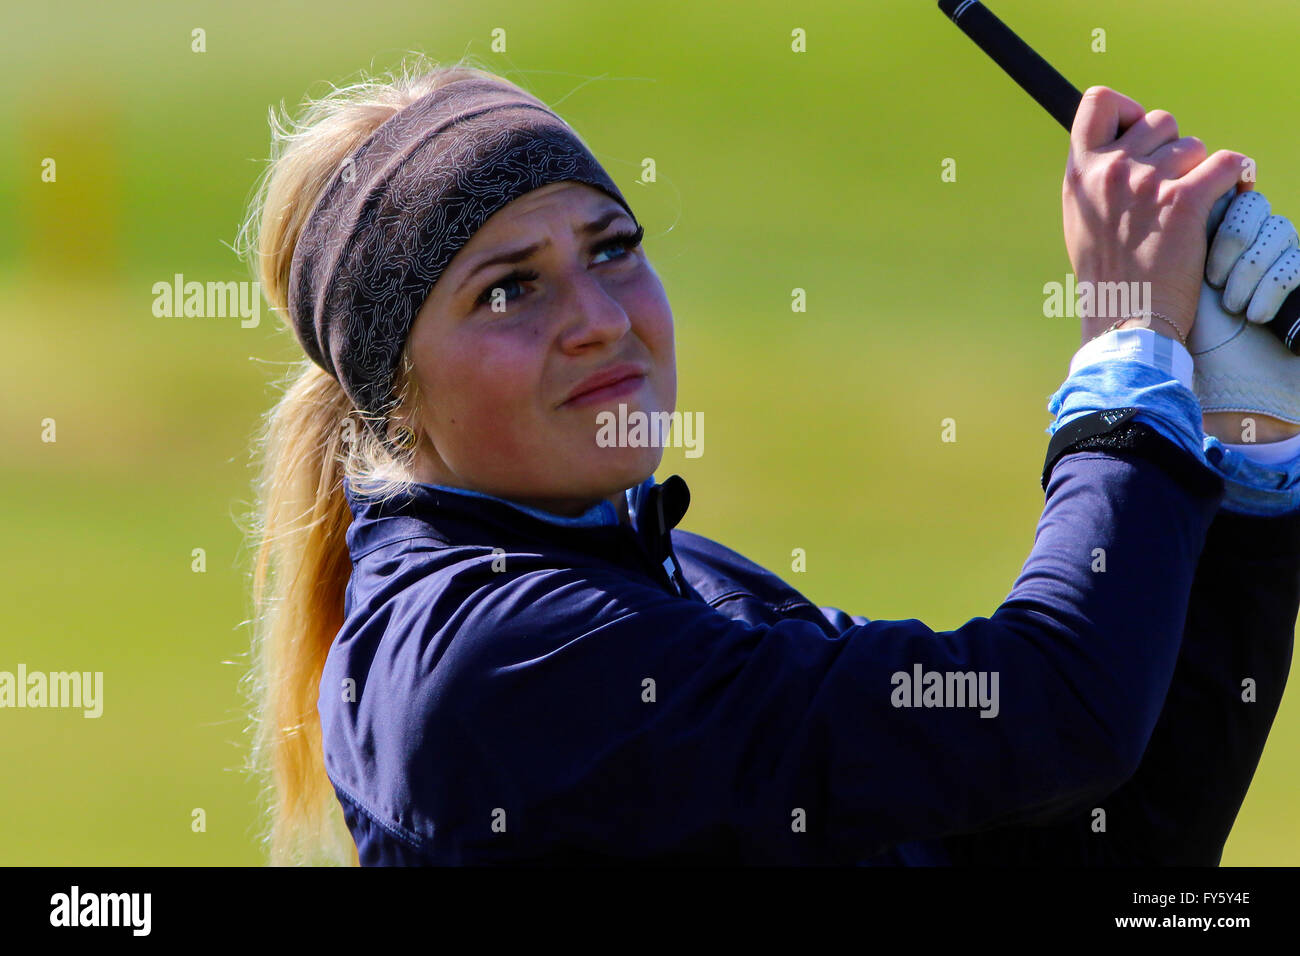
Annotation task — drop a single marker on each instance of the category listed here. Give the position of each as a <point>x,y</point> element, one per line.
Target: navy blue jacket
<point>509,689</point>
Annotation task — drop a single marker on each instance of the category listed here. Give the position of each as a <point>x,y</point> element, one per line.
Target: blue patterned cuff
<point>1136,367</point>
<point>1149,371</point>
<point>1255,481</point>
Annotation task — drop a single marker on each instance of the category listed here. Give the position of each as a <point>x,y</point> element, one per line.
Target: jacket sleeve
<point>841,619</point>
<point>586,713</point>
<point>1179,807</point>
<point>1171,810</point>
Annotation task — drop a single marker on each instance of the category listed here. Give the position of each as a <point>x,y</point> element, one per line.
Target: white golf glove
<point>1238,365</point>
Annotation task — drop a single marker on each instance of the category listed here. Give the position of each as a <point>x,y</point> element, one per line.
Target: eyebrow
<point>519,255</point>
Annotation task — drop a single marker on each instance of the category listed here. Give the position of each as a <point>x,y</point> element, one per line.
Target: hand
<point>1247,381</point>
<point>1135,207</point>
<point>1254,258</point>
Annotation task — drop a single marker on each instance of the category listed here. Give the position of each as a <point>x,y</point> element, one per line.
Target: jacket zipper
<point>647,560</point>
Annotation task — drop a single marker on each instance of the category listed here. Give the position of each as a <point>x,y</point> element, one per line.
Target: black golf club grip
<point>1061,99</point>
<point>1035,75</point>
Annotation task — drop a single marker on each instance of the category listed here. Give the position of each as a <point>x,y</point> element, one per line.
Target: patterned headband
<point>400,207</point>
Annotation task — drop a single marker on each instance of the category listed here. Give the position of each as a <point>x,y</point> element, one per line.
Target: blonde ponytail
<point>308,442</point>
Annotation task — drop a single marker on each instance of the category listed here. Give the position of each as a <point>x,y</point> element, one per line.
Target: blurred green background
<point>776,170</point>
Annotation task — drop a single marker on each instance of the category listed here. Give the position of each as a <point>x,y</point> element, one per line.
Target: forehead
<point>561,200</point>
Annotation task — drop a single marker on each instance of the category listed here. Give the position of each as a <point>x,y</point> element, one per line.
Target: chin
<point>616,468</point>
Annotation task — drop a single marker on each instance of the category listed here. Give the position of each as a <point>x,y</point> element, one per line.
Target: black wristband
<point>1111,430</point>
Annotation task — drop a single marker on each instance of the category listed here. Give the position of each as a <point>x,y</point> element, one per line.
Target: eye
<point>514,278</point>
<point>626,241</point>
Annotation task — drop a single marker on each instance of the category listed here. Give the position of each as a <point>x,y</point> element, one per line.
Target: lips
<point>612,375</point>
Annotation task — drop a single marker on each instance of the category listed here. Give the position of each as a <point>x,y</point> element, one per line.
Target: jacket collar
<point>455,515</point>
<point>602,513</point>
<point>427,500</point>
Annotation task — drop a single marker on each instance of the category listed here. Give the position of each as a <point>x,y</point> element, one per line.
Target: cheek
<point>648,303</point>
<point>489,394</point>
<point>654,326</point>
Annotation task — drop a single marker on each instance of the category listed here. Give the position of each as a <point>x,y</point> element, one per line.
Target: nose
<point>593,316</point>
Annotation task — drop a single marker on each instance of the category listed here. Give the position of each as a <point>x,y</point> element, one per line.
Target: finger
<point>1280,281</point>
<point>1180,157</point>
<point>1212,178</point>
<point>1276,237</point>
<point>1101,114</point>
<point>1149,133</point>
<point>1241,224</point>
<point>1218,211</point>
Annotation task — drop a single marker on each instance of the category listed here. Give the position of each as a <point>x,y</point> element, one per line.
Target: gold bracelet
<point>1182,337</point>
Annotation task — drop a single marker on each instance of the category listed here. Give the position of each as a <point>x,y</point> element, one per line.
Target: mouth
<point>621,383</point>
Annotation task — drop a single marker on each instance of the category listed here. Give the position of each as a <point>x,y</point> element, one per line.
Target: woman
<point>483,638</point>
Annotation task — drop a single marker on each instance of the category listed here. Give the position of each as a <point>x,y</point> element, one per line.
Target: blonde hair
<point>306,444</point>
